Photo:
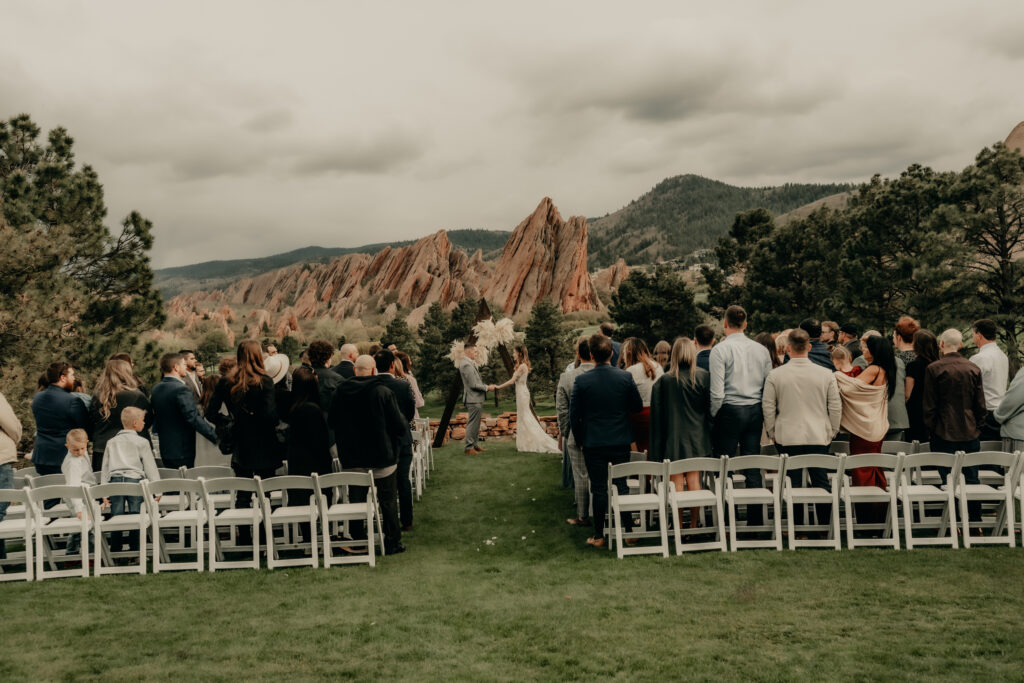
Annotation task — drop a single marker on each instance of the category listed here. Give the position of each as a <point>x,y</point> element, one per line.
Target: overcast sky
<point>247,128</point>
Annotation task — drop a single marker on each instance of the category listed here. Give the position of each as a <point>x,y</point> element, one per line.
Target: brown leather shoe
<point>578,521</point>
<point>477,449</point>
<point>596,542</point>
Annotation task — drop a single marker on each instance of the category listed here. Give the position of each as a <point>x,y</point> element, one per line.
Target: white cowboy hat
<point>276,366</point>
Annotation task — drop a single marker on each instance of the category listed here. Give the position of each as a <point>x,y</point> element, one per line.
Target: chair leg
<point>835,529</point>
<point>732,524</point>
<point>965,520</point>
<point>675,509</point>
<point>908,523</point>
<point>789,524</point>
<point>664,532</point>
<point>774,507</point>
<point>849,521</point>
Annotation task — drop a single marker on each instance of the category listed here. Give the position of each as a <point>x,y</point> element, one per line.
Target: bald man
<point>953,403</point>
<point>346,366</point>
<point>369,425</point>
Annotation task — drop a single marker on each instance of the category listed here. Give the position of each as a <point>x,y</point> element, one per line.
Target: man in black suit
<point>385,361</point>
<point>346,366</point>
<point>190,378</point>
<point>175,416</point>
<point>599,409</point>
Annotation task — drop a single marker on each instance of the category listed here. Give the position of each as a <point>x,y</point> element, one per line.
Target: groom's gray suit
<point>473,395</point>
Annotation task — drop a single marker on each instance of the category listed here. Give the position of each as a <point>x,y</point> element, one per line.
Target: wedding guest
<point>866,415</point>
<point>190,379</point>
<point>663,354</point>
<point>308,444</point>
<point>10,435</point>
<point>368,422</point>
<point>128,359</point>
<point>403,370</point>
<point>128,458</point>
<point>681,416</point>
<point>277,367</point>
<point>841,359</point>
<point>608,329</point>
<point>802,411</point>
<point>995,372</point>
<point>739,367</point>
<point>385,363</point>
<point>320,353</point>
<point>346,365</point>
<point>116,389</point>
<point>849,337</point>
<point>926,352</point>
<point>818,353</point>
<point>176,418</point>
<point>78,391</point>
<point>581,483</point>
<point>766,340</point>
<point>599,408</point>
<point>56,412</point>
<point>779,350</point>
<point>1009,414</point>
<point>637,361</point>
<point>953,403</point>
<point>899,420</point>
<point>704,339</point>
<point>77,470</point>
<point>903,338</point>
<point>252,404</point>
<point>829,333</point>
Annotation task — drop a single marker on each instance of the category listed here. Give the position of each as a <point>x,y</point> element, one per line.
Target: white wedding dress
<point>530,436</point>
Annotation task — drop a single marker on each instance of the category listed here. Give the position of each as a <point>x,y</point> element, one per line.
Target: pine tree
<point>654,307</point>
<point>69,288</point>
<point>397,332</point>
<point>432,368</point>
<point>546,345</point>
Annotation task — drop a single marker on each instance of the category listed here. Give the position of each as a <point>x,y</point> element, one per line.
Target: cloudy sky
<point>249,128</point>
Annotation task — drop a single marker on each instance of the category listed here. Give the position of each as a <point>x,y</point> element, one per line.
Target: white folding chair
<point>641,502</point>
<point>871,494</point>
<point>189,514</point>
<point>993,476</point>
<point>910,492</point>
<point>231,519</point>
<point>701,498</point>
<point>36,481</point>
<point>50,522</point>
<point>138,522</point>
<point>752,496</point>
<point>342,511</point>
<point>1001,494</point>
<point>20,527</point>
<point>287,515</point>
<point>897,447</point>
<point>808,495</point>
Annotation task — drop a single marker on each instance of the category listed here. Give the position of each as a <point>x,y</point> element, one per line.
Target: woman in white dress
<point>530,436</point>
<point>635,357</point>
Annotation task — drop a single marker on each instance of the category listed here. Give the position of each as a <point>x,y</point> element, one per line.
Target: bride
<point>530,436</point>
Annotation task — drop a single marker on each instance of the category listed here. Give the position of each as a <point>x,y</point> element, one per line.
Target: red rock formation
<point>1015,140</point>
<point>545,257</point>
<point>611,277</point>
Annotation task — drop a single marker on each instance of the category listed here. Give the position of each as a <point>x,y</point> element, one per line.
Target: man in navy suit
<point>57,411</point>
<point>385,361</point>
<point>599,409</point>
<point>175,416</point>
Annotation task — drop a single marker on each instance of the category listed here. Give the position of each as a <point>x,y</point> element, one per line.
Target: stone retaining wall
<point>502,425</point>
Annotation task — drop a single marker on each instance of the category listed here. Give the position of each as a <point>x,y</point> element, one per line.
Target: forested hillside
<point>686,213</point>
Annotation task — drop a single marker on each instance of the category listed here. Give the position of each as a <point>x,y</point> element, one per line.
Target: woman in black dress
<point>116,389</point>
<point>309,448</point>
<point>926,348</point>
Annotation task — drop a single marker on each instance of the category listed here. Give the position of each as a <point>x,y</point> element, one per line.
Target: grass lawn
<point>534,603</point>
<point>544,404</point>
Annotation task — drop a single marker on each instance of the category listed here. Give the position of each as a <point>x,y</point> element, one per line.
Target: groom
<point>473,395</point>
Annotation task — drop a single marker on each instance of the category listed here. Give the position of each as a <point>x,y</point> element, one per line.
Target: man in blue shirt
<point>739,367</point>
<point>704,338</point>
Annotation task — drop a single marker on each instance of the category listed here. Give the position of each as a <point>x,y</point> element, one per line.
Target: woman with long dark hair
<point>116,389</point>
<point>866,414</point>
<point>251,404</point>
<point>635,357</point>
<point>926,350</point>
<point>766,340</point>
<point>56,412</point>
<point>309,447</point>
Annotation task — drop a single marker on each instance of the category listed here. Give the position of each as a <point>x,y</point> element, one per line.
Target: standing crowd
<point>255,411</point>
<point>797,390</point>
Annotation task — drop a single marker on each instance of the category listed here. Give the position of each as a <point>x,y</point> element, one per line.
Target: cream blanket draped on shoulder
<point>865,408</point>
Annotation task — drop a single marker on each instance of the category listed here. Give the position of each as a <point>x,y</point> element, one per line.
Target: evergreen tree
<point>545,344</point>
<point>397,332</point>
<point>69,288</point>
<point>654,307</point>
<point>432,368</point>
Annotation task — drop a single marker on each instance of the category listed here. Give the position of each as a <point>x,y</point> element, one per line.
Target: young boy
<point>77,471</point>
<point>128,457</point>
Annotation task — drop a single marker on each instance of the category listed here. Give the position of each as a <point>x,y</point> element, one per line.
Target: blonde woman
<point>530,436</point>
<point>662,353</point>
<point>116,390</point>
<point>635,357</point>
<point>681,415</point>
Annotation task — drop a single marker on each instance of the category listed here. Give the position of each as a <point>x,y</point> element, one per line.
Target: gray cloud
<point>387,153</point>
<point>270,121</point>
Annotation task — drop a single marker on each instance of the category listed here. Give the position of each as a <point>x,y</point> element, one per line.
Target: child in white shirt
<point>77,471</point>
<point>128,458</point>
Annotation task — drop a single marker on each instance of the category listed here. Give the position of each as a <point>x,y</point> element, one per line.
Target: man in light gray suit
<point>473,395</point>
<point>579,465</point>
<point>802,409</point>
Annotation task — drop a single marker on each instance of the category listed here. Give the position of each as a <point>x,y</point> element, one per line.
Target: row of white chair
<point>912,480</point>
<point>201,508</point>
